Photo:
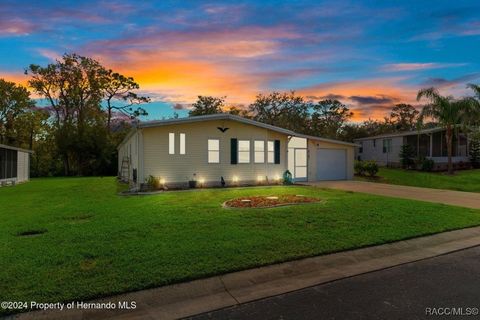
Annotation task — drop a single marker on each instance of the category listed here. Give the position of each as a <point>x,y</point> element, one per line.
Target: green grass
<point>465,180</point>
<point>96,243</point>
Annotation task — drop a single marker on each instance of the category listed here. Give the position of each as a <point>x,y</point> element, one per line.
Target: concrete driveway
<point>449,197</point>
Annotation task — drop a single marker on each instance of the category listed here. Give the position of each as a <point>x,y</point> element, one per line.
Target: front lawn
<point>75,238</point>
<point>464,180</point>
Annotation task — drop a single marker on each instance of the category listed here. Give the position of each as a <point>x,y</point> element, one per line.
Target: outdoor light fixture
<point>202,181</point>
<point>260,178</point>
<point>235,179</point>
<point>162,181</point>
<point>277,177</point>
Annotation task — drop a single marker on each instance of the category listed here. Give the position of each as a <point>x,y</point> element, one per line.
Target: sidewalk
<point>191,298</point>
<point>449,197</point>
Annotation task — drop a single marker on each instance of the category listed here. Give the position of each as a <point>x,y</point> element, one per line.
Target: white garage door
<point>331,164</point>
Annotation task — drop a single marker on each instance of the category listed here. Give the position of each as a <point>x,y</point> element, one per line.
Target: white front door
<point>297,163</point>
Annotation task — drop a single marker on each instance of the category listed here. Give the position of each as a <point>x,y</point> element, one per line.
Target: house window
<point>171,143</point>
<point>387,145</point>
<point>270,152</point>
<point>213,151</point>
<point>259,155</point>
<point>182,143</point>
<point>243,151</point>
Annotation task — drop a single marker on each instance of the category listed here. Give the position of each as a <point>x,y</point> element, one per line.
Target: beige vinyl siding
<point>313,145</point>
<point>178,168</point>
<point>129,149</point>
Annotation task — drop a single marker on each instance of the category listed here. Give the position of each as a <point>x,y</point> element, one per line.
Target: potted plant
<point>192,183</point>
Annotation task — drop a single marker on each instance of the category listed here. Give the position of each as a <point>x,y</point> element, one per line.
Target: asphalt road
<point>402,292</point>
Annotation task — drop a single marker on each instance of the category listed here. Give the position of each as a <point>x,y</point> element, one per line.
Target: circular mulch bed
<point>268,201</point>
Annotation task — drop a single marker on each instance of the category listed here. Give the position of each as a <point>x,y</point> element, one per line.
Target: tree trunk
<point>109,119</point>
<point>31,140</point>
<point>66,165</point>
<point>449,149</point>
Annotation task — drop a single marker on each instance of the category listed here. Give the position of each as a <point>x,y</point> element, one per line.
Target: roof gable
<point>227,116</point>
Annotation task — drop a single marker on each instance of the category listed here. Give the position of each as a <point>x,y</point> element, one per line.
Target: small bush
<point>153,183</point>
<point>287,178</point>
<point>366,168</point>
<point>359,168</point>
<point>474,153</point>
<point>407,154</point>
<point>427,165</point>
<point>371,168</point>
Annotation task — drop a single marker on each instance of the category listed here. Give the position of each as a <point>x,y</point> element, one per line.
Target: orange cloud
<point>179,66</point>
<point>19,77</point>
<point>182,80</point>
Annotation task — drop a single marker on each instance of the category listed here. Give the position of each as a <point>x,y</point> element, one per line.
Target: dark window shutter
<point>233,151</point>
<point>277,151</point>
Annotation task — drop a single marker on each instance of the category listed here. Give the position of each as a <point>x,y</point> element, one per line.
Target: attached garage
<point>316,159</point>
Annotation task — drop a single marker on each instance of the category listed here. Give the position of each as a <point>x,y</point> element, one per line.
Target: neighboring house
<point>429,143</point>
<point>241,151</point>
<point>14,165</point>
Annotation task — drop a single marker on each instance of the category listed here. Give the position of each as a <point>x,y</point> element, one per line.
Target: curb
<point>205,295</point>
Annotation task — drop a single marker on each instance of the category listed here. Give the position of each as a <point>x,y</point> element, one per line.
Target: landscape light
<point>260,178</point>
<point>202,181</point>
<point>162,181</point>
<point>235,179</point>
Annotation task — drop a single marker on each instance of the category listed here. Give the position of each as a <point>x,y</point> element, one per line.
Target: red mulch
<point>263,202</point>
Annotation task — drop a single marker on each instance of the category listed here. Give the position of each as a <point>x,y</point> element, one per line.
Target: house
<point>429,143</point>
<point>239,150</point>
<point>14,165</point>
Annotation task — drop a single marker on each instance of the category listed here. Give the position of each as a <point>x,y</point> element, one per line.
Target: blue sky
<point>368,54</point>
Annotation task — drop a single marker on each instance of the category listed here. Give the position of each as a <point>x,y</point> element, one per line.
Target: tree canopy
<point>207,105</point>
<point>14,103</point>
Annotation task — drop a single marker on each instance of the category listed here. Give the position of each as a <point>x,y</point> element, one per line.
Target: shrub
<point>371,168</point>
<point>474,153</point>
<point>359,168</point>
<point>366,168</point>
<point>427,165</point>
<point>287,178</point>
<point>407,154</point>
<point>153,182</point>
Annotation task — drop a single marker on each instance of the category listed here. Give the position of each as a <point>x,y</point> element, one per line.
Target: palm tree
<point>448,111</point>
<point>475,102</point>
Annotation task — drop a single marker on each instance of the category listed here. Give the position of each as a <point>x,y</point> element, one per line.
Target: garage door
<point>331,164</point>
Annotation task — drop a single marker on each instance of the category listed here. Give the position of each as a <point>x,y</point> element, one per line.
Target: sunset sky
<point>368,54</point>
